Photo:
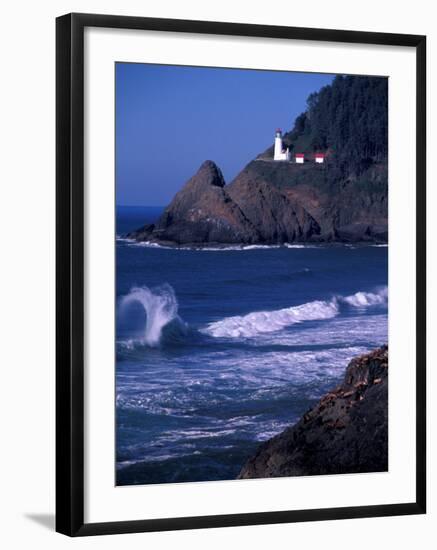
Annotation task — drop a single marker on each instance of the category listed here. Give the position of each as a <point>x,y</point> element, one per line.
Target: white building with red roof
<point>299,158</point>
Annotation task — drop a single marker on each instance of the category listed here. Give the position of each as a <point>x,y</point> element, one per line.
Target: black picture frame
<point>70,273</point>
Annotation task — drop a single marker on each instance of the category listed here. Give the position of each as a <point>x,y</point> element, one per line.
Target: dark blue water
<point>219,350</point>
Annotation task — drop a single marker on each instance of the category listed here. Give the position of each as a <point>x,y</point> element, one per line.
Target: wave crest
<point>366,299</point>
<point>161,308</point>
<point>271,321</point>
<point>259,322</point>
<point>163,324</point>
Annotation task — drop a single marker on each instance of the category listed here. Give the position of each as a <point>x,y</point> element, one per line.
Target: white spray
<point>161,307</point>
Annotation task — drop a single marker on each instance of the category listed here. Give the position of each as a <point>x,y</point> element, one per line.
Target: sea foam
<point>210,248</point>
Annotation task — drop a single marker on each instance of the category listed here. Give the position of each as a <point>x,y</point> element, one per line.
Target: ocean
<point>220,349</point>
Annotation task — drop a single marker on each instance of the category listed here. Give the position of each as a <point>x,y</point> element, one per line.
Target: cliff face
<point>200,212</point>
<point>205,211</point>
<point>274,202</point>
<point>277,216</point>
<point>345,210</point>
<point>346,432</point>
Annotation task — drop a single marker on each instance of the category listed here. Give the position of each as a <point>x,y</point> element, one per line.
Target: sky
<point>170,119</point>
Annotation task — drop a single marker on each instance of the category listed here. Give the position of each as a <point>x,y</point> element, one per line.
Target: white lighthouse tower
<point>279,153</point>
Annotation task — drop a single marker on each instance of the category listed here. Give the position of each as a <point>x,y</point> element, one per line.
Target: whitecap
<point>261,322</point>
<point>365,299</point>
<point>147,244</point>
<point>270,321</point>
<point>161,308</point>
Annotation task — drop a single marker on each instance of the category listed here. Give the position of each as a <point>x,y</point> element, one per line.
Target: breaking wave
<point>163,323</point>
<point>161,308</point>
<point>259,322</point>
<point>271,321</point>
<point>366,299</point>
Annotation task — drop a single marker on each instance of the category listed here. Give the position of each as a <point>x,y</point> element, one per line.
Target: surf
<point>365,299</point>
<point>160,306</point>
<point>210,248</point>
<point>262,322</point>
<point>164,325</point>
<point>271,321</point>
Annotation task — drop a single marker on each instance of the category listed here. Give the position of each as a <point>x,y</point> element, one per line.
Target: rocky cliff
<point>346,432</point>
<point>274,202</point>
<point>352,209</point>
<point>205,211</point>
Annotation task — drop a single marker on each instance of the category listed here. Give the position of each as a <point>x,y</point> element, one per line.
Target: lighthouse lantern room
<point>279,153</point>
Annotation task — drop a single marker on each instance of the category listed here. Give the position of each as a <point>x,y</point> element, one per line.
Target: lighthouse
<point>279,153</point>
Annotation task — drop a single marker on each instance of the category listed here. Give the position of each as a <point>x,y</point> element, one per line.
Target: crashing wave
<point>366,299</point>
<point>271,321</point>
<point>163,322</point>
<point>260,322</point>
<point>161,308</point>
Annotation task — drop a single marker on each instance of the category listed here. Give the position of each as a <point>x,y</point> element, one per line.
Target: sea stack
<point>205,211</point>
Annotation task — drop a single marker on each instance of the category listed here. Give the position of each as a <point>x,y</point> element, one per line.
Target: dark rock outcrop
<point>351,210</point>
<point>346,432</point>
<point>273,202</point>
<point>204,211</point>
<point>277,217</point>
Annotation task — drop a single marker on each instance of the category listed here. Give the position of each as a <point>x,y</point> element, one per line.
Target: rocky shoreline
<point>345,432</point>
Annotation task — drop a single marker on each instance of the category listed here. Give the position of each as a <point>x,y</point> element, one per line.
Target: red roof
<point>279,130</point>
<point>300,155</point>
<point>320,155</point>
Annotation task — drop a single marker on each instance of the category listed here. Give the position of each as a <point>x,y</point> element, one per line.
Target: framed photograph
<point>240,265</point>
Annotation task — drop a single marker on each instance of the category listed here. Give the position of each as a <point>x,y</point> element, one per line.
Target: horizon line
<point>141,205</point>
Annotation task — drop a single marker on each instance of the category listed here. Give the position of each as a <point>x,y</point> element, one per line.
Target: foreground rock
<point>346,432</point>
